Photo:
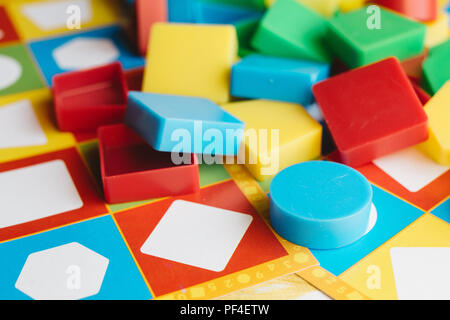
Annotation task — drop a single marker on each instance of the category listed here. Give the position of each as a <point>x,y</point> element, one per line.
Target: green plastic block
<point>245,30</point>
<point>436,68</point>
<point>356,39</point>
<point>291,30</point>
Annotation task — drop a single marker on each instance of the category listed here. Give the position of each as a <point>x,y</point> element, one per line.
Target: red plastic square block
<point>148,12</point>
<point>131,170</point>
<point>87,99</point>
<point>372,111</point>
<point>422,10</point>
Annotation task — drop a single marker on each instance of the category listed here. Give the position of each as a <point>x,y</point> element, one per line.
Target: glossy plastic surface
<point>131,170</point>
<point>87,99</point>
<point>372,111</point>
<point>320,204</point>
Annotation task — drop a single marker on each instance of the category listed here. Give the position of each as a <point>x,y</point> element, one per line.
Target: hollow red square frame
<point>259,244</point>
<point>372,111</point>
<point>87,99</point>
<point>131,170</point>
<point>93,204</point>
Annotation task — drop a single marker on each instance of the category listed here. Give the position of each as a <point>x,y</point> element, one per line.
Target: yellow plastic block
<point>437,146</point>
<point>41,102</point>
<point>437,31</point>
<point>277,135</point>
<point>30,20</point>
<point>191,60</point>
<point>326,8</point>
<point>350,5</point>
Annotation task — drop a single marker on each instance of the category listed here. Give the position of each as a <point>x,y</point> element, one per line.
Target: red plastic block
<point>423,96</point>
<point>148,12</point>
<point>413,66</point>
<point>131,170</point>
<point>372,111</point>
<point>134,79</point>
<point>422,10</point>
<point>87,99</point>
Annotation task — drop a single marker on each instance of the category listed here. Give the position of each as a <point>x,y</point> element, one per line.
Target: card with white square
<point>411,168</point>
<point>421,273</point>
<point>35,192</point>
<point>19,126</point>
<point>197,235</point>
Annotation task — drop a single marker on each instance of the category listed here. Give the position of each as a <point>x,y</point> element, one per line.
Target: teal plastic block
<point>281,79</point>
<point>171,123</point>
<point>219,13</point>
<point>321,205</point>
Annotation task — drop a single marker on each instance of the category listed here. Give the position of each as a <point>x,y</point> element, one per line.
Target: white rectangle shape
<point>421,273</point>
<point>35,192</point>
<point>197,235</point>
<point>19,126</point>
<point>411,168</point>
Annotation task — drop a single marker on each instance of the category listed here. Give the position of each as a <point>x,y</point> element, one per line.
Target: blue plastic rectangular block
<point>181,11</point>
<point>171,123</point>
<point>263,77</point>
<point>220,13</point>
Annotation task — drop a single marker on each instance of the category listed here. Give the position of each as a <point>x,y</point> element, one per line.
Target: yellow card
<point>27,126</point>
<point>38,19</point>
<point>409,266</point>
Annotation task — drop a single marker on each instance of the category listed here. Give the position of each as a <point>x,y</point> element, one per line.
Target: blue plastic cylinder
<point>320,204</point>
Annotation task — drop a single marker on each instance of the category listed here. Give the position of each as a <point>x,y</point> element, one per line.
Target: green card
<point>17,71</point>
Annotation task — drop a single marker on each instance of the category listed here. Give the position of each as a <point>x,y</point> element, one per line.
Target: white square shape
<point>19,126</point>
<point>197,235</point>
<point>35,192</point>
<point>411,168</point>
<point>421,273</point>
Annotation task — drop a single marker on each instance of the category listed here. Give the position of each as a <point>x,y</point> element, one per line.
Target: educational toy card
<point>224,150</point>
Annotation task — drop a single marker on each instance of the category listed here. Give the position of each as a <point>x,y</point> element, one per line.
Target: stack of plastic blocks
<point>269,82</point>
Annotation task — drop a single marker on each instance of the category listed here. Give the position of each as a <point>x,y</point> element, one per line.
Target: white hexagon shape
<point>83,53</point>
<point>66,272</point>
<point>49,15</point>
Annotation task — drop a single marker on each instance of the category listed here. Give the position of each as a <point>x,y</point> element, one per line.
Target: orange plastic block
<point>422,10</point>
<point>147,13</point>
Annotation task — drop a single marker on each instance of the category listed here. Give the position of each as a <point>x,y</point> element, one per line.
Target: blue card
<point>443,211</point>
<point>93,250</point>
<point>393,216</point>
<point>84,50</point>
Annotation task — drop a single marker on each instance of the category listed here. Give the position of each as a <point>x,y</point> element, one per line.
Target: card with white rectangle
<point>421,273</point>
<point>19,126</point>
<point>411,168</point>
<point>35,192</point>
<point>197,235</point>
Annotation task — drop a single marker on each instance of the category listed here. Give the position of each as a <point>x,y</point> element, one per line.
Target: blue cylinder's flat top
<point>320,190</point>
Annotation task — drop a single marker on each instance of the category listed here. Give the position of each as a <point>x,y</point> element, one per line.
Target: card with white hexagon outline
<point>84,50</point>
<point>87,260</point>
